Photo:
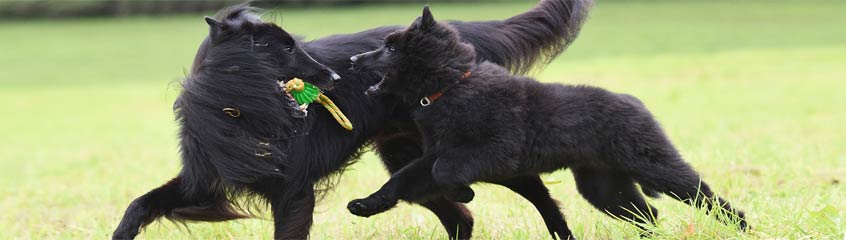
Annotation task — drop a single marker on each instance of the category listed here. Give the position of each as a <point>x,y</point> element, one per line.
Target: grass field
<point>753,93</point>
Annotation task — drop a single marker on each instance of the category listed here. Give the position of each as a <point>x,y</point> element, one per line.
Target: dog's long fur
<point>266,153</point>
<point>493,127</point>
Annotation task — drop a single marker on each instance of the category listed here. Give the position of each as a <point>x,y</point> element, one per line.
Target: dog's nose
<point>352,62</point>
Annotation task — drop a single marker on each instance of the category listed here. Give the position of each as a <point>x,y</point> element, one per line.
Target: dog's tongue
<point>373,90</point>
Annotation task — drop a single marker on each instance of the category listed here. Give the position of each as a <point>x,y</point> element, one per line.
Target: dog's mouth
<point>376,89</point>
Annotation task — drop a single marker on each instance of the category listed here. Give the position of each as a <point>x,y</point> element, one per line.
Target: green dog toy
<point>306,93</point>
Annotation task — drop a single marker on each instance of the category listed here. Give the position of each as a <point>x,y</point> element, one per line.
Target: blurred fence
<point>90,8</point>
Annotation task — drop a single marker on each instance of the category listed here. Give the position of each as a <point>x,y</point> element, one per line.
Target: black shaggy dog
<point>240,137</point>
<point>480,123</point>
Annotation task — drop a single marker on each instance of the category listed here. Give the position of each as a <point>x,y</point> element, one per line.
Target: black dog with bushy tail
<point>240,137</point>
<point>480,123</point>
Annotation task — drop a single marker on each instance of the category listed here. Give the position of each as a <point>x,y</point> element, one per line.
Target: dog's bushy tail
<point>536,36</point>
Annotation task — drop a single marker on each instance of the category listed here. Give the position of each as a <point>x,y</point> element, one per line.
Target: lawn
<point>752,92</point>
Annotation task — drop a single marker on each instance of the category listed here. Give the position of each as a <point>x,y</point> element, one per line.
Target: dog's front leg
<point>412,182</point>
<point>292,215</point>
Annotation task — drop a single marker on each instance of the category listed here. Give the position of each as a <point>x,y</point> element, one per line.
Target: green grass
<point>753,93</point>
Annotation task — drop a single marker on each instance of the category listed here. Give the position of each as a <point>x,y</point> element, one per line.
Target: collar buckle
<point>425,102</point>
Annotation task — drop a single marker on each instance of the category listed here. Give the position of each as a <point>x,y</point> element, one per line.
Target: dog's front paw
<point>371,205</point>
<point>463,194</point>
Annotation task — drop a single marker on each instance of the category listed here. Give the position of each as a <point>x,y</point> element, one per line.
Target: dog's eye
<point>391,48</point>
<point>288,49</point>
<point>261,44</point>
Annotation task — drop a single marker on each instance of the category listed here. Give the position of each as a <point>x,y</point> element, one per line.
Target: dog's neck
<point>433,80</point>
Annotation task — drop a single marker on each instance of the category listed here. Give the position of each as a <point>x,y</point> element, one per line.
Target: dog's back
<point>548,124</point>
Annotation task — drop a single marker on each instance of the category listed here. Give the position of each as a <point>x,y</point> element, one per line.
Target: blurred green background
<point>752,92</point>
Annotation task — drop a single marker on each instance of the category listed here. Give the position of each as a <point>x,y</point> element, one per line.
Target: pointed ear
<point>214,26</point>
<point>427,20</point>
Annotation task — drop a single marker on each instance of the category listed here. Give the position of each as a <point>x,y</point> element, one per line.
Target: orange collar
<point>426,101</point>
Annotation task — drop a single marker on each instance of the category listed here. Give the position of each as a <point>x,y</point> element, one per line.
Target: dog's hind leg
<point>149,207</point>
<point>614,193</point>
<point>533,189</point>
<point>169,201</point>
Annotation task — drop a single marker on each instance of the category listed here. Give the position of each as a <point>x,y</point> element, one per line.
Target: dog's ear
<point>215,26</point>
<point>427,20</point>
